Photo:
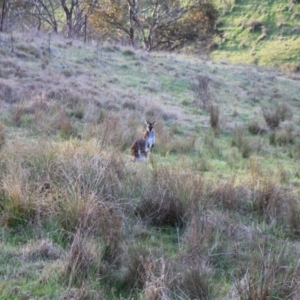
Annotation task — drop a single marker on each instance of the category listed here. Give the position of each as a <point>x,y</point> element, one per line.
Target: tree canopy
<point>149,24</point>
<point>157,24</point>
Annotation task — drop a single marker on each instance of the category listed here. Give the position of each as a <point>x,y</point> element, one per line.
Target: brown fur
<point>140,148</point>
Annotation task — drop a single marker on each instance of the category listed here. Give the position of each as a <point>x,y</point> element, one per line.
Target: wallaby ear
<point>147,122</point>
<point>153,122</point>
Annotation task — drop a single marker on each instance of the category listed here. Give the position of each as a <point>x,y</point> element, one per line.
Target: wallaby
<point>141,147</point>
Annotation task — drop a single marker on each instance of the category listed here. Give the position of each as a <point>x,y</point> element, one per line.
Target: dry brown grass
<point>82,256</point>
<point>268,274</point>
<point>201,88</point>
<point>43,249</point>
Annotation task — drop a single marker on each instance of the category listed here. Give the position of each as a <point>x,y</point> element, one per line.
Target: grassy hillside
<point>260,32</point>
<point>213,215</point>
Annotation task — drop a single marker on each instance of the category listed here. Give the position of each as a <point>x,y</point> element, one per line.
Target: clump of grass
<point>82,261</point>
<point>138,265</point>
<point>112,131</point>
<point>154,86</point>
<point>129,105</point>
<point>274,116</point>
<point>197,284</point>
<point>271,202</point>
<point>84,292</point>
<point>214,117</point>
<point>17,205</point>
<point>10,92</point>
<point>65,126</point>
<point>29,49</point>
<point>282,137</point>
<point>200,87</point>
<point>158,287</point>
<point>254,128</point>
<point>291,67</point>
<point>2,135</point>
<point>161,212</point>
<point>166,200</point>
<point>294,151</point>
<point>206,239</point>
<point>284,112</point>
<point>242,142</point>
<point>228,196</point>
<point>155,112</point>
<point>67,73</point>
<point>268,273</point>
<point>77,112</point>
<point>294,216</point>
<point>128,52</point>
<point>22,115</point>
<point>43,249</point>
<point>255,26</point>
<point>180,145</point>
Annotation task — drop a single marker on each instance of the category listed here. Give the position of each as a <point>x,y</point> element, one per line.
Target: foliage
<point>166,25</point>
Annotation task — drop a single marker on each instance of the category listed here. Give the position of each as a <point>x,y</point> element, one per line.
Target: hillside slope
<point>214,212</point>
<point>263,32</point>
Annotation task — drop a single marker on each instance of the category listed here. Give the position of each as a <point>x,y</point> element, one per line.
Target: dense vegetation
<point>154,25</point>
<point>214,215</point>
<point>260,32</point>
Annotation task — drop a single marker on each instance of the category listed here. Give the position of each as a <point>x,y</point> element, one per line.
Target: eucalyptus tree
<point>157,24</point>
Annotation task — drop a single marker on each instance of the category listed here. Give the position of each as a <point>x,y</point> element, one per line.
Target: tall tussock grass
<point>269,273</point>
<point>96,199</point>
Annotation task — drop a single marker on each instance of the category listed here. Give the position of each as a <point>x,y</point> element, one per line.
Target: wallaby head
<point>140,149</point>
<point>150,126</point>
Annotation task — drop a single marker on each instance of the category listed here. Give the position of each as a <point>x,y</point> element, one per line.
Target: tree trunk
<point>85,27</point>
<point>69,14</point>
<point>131,7</point>
<point>69,25</point>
